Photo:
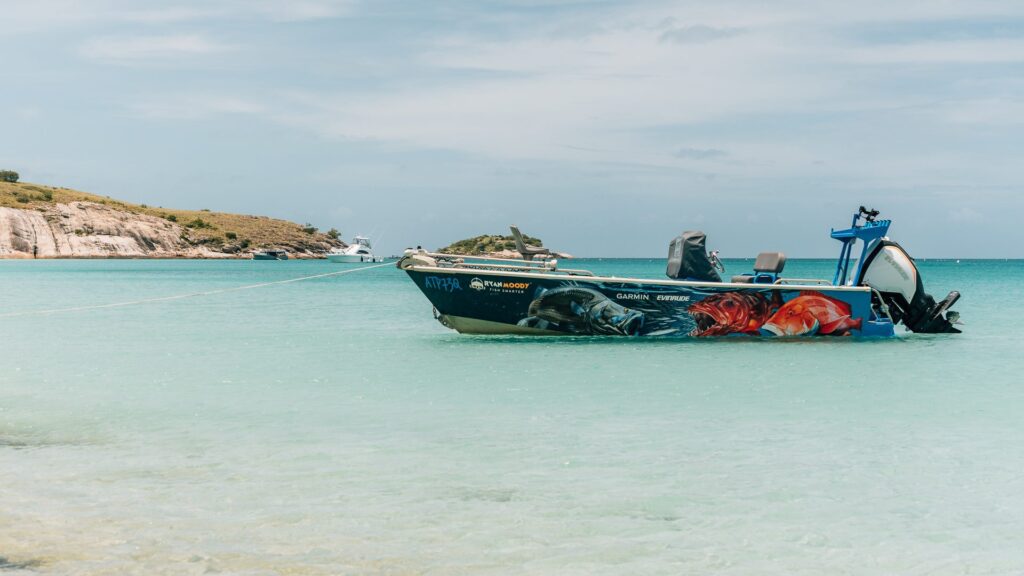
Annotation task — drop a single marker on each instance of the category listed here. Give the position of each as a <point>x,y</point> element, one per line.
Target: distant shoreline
<point>46,222</point>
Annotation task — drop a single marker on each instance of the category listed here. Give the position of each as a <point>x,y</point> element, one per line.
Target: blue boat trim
<point>868,233</point>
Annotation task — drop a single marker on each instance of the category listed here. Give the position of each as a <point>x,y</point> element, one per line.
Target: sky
<point>604,128</point>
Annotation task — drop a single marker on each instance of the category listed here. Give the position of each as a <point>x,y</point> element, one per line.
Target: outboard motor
<point>688,258</point>
<point>891,271</point>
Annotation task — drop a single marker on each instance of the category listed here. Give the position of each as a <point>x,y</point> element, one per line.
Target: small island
<point>39,221</point>
<point>491,245</point>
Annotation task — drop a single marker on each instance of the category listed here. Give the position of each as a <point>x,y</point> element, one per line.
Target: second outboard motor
<point>688,258</point>
<point>891,271</point>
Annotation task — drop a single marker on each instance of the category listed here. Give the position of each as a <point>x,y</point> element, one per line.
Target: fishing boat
<point>868,296</point>
<point>359,250</point>
<point>270,255</point>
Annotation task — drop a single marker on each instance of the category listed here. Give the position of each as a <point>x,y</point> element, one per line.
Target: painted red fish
<point>811,313</point>
<point>729,313</point>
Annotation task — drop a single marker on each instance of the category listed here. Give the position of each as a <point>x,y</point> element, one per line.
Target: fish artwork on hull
<point>807,314</point>
<point>730,313</point>
<point>579,310</point>
<point>811,313</point>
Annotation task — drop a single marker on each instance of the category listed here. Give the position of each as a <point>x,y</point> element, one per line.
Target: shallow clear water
<point>333,427</point>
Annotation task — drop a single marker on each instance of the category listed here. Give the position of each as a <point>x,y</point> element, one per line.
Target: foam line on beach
<point>188,295</point>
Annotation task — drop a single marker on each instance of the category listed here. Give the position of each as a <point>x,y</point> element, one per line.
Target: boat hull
<point>345,258</point>
<point>351,258</point>
<point>494,302</point>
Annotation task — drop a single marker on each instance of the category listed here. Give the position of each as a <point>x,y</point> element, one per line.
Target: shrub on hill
<point>9,176</point>
<point>199,224</point>
<point>486,244</point>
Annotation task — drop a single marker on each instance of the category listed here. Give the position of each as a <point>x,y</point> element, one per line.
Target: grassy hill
<point>202,226</point>
<point>487,244</point>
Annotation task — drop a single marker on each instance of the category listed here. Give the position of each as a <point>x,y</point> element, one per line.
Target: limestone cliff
<point>46,222</point>
<point>89,230</point>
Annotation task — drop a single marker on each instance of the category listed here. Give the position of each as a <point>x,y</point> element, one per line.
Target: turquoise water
<point>333,427</point>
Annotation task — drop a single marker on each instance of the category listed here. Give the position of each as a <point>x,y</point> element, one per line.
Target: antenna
<point>869,214</point>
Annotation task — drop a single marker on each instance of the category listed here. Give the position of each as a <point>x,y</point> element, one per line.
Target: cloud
<point>302,10</point>
<point>942,52</point>
<point>194,106</point>
<point>551,97</point>
<point>22,18</point>
<point>758,91</point>
<point>698,34</point>
<point>28,113</point>
<point>636,80</point>
<point>965,215</point>
<point>168,15</point>
<point>27,17</point>
<point>992,111</point>
<point>700,153</point>
<point>129,49</point>
<point>272,10</point>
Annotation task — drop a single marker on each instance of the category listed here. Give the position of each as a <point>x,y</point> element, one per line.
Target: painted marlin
<point>729,313</point>
<point>811,313</point>
<point>582,311</point>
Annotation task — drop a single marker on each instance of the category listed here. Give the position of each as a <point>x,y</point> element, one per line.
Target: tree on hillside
<point>9,176</point>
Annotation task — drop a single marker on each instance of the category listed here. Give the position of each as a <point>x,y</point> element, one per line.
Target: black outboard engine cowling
<point>891,271</point>
<point>688,258</point>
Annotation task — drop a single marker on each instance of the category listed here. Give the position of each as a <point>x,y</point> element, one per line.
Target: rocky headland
<point>47,222</point>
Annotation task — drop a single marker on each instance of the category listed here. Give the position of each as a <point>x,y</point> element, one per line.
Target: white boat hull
<point>351,258</point>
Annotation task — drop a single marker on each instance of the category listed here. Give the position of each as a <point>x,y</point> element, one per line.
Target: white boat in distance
<point>359,250</point>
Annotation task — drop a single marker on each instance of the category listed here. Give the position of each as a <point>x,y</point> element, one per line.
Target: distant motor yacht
<point>270,255</point>
<point>359,250</point>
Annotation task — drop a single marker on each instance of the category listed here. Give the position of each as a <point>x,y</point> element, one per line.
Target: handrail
<point>803,281</point>
<point>520,261</point>
<point>512,264</point>
<point>503,266</point>
<point>551,265</point>
<point>512,267</point>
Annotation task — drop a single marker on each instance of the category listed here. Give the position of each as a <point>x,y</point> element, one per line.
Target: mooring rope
<point>188,295</point>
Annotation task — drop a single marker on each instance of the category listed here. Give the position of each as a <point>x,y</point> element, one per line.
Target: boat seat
<point>767,268</point>
<point>527,252</point>
<point>770,263</point>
